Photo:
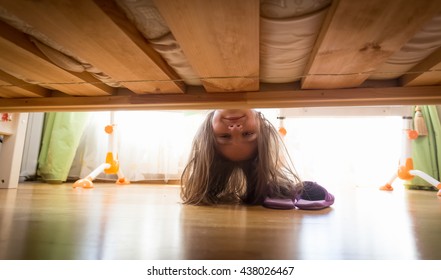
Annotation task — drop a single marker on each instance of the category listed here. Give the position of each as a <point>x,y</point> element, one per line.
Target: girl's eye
<point>247,134</point>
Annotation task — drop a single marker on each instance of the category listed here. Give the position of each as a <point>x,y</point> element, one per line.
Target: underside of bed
<point>203,54</point>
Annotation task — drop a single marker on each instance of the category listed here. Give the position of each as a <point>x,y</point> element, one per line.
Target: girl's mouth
<point>234,118</point>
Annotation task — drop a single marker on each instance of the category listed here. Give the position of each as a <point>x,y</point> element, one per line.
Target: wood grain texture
<point>93,32</point>
<point>13,87</point>
<point>27,63</point>
<point>220,40</point>
<point>427,72</point>
<point>271,96</point>
<point>141,222</point>
<point>358,36</point>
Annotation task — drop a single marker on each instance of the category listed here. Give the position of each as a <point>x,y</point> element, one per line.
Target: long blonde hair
<point>209,178</point>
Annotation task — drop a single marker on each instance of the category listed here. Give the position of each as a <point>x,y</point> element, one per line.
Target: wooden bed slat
<point>86,29</point>
<point>25,59</point>
<point>13,87</point>
<point>427,72</point>
<point>271,97</point>
<point>220,40</point>
<point>360,35</point>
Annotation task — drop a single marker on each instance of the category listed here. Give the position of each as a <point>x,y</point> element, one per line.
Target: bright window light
<point>345,151</point>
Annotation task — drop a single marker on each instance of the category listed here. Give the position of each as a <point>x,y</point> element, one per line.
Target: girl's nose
<point>235,126</point>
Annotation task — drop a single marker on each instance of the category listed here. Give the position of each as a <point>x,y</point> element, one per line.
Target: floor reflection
<point>425,209</point>
<point>149,222</point>
<point>363,224</point>
<point>238,232</point>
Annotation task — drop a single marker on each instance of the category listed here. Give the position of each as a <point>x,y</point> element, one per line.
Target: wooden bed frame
<point>221,40</point>
<point>222,43</point>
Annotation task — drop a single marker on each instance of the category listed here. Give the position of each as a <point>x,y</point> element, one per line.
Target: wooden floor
<point>41,221</point>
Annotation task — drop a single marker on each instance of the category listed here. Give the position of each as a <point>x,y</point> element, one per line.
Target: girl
<point>238,156</point>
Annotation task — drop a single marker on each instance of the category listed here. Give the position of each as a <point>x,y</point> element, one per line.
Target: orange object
<point>111,166</point>
<point>412,134</point>
<point>114,164</point>
<point>403,170</point>
<point>108,129</point>
<point>122,181</point>
<point>84,183</point>
<point>282,131</point>
<point>387,187</point>
<point>406,169</point>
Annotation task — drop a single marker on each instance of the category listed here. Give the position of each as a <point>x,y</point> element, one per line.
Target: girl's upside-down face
<point>236,133</point>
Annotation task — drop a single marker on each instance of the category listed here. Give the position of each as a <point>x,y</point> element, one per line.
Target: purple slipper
<point>279,203</point>
<point>313,197</point>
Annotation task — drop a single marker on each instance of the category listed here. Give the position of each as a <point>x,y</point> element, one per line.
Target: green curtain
<point>61,136</point>
<point>427,149</point>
